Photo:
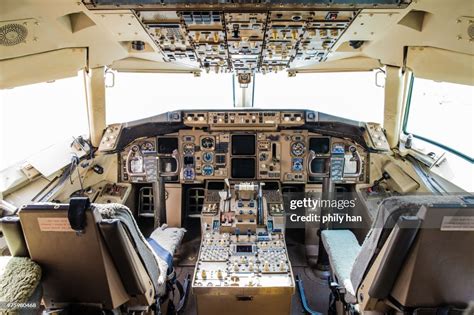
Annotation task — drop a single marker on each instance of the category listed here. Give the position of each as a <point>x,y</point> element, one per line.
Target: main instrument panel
<point>238,146</point>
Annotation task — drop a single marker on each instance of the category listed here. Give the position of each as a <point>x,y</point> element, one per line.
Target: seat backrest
<point>439,269</point>
<point>427,261</point>
<point>79,267</point>
<point>389,211</point>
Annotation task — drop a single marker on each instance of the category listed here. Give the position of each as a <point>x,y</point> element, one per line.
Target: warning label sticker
<point>457,223</point>
<point>54,225</point>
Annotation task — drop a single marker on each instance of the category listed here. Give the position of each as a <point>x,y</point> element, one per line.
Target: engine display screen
<point>166,145</point>
<point>319,145</point>
<point>243,145</point>
<point>243,168</point>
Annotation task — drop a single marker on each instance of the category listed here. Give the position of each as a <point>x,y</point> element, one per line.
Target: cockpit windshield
<point>155,93</point>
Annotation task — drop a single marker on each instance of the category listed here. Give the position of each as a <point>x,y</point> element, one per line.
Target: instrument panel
<point>243,120</point>
<point>288,156</point>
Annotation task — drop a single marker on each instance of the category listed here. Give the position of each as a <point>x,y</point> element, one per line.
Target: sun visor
<point>143,65</point>
<point>441,65</point>
<point>47,66</point>
<point>358,63</point>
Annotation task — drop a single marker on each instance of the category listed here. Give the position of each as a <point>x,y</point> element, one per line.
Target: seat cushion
<point>342,248</point>
<point>19,282</point>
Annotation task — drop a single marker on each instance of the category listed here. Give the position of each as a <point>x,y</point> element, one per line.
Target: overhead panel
<point>245,37</point>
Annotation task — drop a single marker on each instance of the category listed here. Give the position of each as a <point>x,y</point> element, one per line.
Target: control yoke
<point>138,159</point>
<point>175,156</point>
<point>312,156</point>
<point>356,157</point>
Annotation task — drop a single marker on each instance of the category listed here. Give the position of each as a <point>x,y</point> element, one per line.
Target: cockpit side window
<point>442,114</point>
<point>34,117</point>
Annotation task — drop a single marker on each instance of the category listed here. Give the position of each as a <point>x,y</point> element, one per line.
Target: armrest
<point>13,233</point>
<point>404,234</point>
<point>131,269</point>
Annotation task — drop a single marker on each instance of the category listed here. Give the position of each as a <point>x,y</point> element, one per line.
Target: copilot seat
<point>417,255</point>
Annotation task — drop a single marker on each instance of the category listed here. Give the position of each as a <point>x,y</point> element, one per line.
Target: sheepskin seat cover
<point>19,283</point>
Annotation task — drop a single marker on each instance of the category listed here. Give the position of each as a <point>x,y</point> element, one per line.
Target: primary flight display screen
<point>166,145</point>
<point>243,144</point>
<point>319,145</point>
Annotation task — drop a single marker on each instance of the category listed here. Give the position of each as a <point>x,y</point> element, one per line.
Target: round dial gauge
<point>207,170</point>
<point>188,173</point>
<point>298,148</point>
<point>188,148</point>
<point>207,143</point>
<point>148,146</point>
<point>208,157</point>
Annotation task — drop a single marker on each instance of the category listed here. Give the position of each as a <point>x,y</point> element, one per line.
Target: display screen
<point>319,145</point>
<point>318,166</point>
<point>243,168</point>
<point>271,186</point>
<point>166,145</point>
<point>188,160</point>
<point>243,145</point>
<point>244,249</point>
<point>215,185</point>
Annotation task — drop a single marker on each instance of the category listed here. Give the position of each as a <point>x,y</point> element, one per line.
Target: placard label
<point>457,223</point>
<point>54,225</point>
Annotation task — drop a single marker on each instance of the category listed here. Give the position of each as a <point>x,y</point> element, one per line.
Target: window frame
<point>433,142</point>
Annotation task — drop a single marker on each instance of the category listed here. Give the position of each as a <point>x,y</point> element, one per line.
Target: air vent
<point>470,31</point>
<point>12,34</point>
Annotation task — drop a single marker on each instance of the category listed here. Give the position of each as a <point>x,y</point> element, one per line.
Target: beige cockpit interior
<point>205,211</point>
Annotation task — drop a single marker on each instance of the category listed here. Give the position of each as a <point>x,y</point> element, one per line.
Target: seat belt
<point>77,213</point>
